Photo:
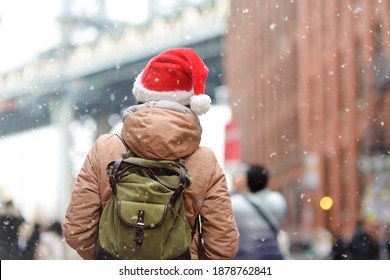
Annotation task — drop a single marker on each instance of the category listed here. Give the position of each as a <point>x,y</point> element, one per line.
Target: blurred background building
<point>300,86</point>
<point>309,83</point>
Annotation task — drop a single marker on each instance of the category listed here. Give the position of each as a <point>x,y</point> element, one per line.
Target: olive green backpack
<point>145,218</point>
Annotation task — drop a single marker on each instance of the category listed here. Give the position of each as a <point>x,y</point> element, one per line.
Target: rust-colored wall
<point>302,82</point>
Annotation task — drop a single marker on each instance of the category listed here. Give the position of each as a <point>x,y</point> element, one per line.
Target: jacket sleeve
<point>82,216</point>
<point>219,227</point>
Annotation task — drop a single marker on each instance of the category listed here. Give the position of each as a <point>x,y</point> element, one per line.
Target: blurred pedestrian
<point>362,245</point>
<point>32,243</point>
<point>259,213</point>
<point>340,249</point>
<point>52,245</point>
<point>10,222</point>
<point>388,248</point>
<point>162,125</point>
<point>322,243</point>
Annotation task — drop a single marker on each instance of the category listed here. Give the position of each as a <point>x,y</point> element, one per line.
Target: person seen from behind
<point>258,240</point>
<point>162,125</point>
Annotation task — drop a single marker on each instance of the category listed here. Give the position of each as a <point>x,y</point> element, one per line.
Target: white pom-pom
<point>200,104</point>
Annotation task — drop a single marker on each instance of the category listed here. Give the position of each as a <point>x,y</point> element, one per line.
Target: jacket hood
<point>161,130</point>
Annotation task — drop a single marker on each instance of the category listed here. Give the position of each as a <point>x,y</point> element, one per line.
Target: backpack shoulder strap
<point>128,151</point>
<point>263,215</point>
<point>123,141</point>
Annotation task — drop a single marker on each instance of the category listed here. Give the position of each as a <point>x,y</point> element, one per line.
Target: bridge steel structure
<point>71,82</point>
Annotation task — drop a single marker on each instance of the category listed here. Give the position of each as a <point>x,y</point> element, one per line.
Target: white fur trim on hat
<point>200,104</point>
<point>143,94</point>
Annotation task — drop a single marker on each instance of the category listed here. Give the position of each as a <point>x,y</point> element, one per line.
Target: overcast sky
<point>30,27</point>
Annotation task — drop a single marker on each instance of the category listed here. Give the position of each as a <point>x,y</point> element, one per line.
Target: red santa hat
<point>177,75</point>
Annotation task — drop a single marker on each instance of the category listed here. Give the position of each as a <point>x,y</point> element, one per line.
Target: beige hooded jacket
<point>155,130</point>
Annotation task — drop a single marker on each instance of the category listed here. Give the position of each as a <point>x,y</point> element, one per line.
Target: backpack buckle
<point>140,228</point>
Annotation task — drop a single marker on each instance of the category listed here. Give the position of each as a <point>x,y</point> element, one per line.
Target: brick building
<point>309,85</point>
